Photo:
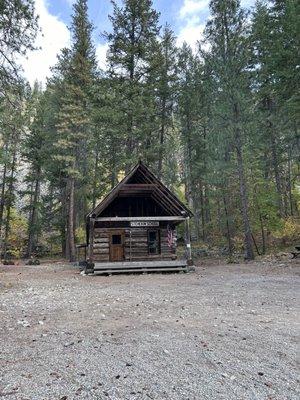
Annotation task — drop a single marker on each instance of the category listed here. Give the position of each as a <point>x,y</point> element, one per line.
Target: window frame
<point>112,239</point>
<point>158,247</point>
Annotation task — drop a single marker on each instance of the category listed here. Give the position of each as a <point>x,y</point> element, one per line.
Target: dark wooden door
<point>116,245</point>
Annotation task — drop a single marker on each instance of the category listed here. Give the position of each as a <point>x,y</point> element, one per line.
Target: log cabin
<point>134,227</point>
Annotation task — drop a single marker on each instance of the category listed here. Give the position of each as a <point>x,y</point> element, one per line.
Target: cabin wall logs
<point>135,245</point>
<point>101,245</point>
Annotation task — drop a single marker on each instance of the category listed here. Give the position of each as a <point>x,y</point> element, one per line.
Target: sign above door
<point>144,223</point>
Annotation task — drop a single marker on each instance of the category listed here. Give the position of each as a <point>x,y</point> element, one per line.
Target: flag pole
<point>188,241</point>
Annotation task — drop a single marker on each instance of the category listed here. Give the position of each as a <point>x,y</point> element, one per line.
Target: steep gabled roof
<point>141,179</point>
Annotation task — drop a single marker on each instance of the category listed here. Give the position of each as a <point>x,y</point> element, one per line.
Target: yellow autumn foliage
<point>18,234</point>
<point>80,235</point>
<point>290,229</point>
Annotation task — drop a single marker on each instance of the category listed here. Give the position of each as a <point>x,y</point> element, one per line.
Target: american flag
<point>170,236</point>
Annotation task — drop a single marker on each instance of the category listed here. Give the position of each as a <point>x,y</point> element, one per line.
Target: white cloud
<point>192,6</point>
<point>193,16</point>
<point>54,36</point>
<point>101,51</point>
<point>190,34</point>
<point>192,25</point>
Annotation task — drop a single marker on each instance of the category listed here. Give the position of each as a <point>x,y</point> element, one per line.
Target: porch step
<point>139,270</point>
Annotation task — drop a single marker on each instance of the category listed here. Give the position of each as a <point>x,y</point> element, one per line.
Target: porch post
<point>130,236</point>
<point>188,241</point>
<point>90,262</point>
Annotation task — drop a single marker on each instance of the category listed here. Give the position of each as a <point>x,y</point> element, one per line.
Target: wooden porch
<point>138,266</point>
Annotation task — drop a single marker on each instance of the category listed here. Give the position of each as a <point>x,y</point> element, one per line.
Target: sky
<point>187,18</point>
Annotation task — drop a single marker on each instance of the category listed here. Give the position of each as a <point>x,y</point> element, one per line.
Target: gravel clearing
<point>222,332</point>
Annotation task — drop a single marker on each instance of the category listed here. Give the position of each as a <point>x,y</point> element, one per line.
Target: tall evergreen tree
<point>188,114</point>
<point>34,153</point>
<point>263,44</point>
<point>229,58</point>
<point>12,120</point>
<point>165,82</point>
<point>74,120</point>
<point>131,47</point>
<point>18,28</point>
<point>277,86</point>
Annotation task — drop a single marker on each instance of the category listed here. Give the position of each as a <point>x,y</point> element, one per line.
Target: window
<point>153,242</point>
<point>116,239</point>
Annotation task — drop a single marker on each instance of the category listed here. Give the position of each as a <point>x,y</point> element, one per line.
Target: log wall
<point>135,245</point>
<point>101,245</point>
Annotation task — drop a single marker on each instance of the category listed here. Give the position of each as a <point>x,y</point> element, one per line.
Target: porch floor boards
<point>140,266</point>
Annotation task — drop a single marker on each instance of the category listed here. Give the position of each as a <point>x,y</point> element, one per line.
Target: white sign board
<point>144,223</point>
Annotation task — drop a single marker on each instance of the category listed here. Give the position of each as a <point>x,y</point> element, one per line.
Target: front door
<point>116,245</point>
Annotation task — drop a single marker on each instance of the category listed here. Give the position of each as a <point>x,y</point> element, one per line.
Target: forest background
<point>218,125</point>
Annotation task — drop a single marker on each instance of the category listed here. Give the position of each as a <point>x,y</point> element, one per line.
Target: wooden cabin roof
<point>140,181</point>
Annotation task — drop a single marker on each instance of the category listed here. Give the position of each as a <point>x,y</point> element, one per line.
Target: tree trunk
<point>94,196</point>
<point>206,204</point>
<point>2,200</point>
<point>263,236</point>
<point>202,205</point>
<point>261,221</point>
<point>9,201</point>
<point>276,174</point>
<point>113,175</point>
<point>161,139</point>
<point>249,254</point>
<point>130,145</point>
<point>219,215</point>
<point>32,228</point>
<point>29,220</point>
<point>289,180</point>
<point>188,174</point>
<point>274,155</point>
<point>70,244</point>
<point>228,230</point>
<point>63,222</point>
<point>206,201</point>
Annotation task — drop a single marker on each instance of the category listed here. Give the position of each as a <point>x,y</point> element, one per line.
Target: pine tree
<point>164,81</point>
<point>263,45</point>
<point>54,201</point>
<point>229,58</point>
<point>188,114</point>
<point>34,153</point>
<point>131,47</point>
<point>12,120</point>
<point>108,160</point>
<point>18,28</point>
<point>74,120</point>
<point>273,34</point>
<point>193,111</point>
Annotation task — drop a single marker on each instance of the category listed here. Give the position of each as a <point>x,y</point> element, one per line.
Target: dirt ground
<point>221,332</point>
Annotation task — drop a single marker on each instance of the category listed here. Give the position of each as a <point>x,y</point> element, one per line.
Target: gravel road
<point>222,332</point>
